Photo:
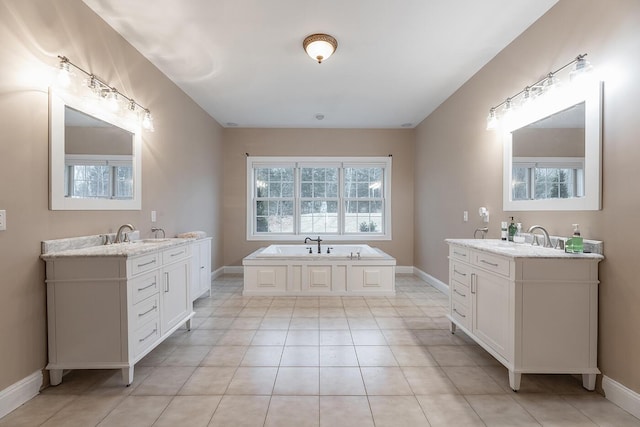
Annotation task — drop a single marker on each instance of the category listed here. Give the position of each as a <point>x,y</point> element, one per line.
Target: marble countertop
<point>128,249</point>
<point>519,250</point>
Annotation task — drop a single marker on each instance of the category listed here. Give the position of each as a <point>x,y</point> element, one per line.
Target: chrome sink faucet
<point>547,239</point>
<point>119,238</point>
<point>309,239</point>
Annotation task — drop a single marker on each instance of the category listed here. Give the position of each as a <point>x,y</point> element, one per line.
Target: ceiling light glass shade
<point>492,119</point>
<point>147,121</point>
<point>320,46</point>
<point>64,73</point>
<point>580,68</point>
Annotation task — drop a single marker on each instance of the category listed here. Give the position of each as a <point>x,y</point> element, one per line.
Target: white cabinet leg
<point>55,376</point>
<point>589,381</point>
<point>127,375</point>
<point>452,327</point>
<point>514,380</point>
<point>188,325</point>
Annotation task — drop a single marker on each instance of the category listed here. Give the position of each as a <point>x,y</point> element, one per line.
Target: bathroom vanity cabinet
<point>201,267</point>
<point>534,309</point>
<point>107,310</point>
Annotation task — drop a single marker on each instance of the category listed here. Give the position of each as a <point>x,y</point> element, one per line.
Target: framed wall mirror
<point>552,153</point>
<point>94,156</point>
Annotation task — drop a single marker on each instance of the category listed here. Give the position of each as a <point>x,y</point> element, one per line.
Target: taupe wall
<point>182,161</point>
<point>459,165</point>
<point>548,143</point>
<point>317,142</point>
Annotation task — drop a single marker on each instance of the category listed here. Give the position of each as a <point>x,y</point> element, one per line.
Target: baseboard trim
<point>402,269</point>
<point>20,392</point>
<point>217,273</point>
<point>234,269</point>
<point>622,396</point>
<point>441,286</point>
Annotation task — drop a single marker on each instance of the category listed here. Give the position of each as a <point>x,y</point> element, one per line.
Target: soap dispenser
<point>575,243</point>
<point>512,229</point>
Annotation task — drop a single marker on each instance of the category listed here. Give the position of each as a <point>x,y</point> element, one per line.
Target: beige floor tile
<point>438,337</point>
<point>136,411</point>
<point>332,312</point>
<point>84,411</point>
<point>269,337</point>
<point>550,410</point>
<point>225,355</point>
<point>377,302</point>
<point>385,381</point>
<point>330,302</point>
<point>306,312</point>
<point>216,323</point>
<point>252,312</point>
<point>293,411</point>
<point>279,312</point>
<point>601,411</point>
<point>246,323</point>
<point>283,302</point>
<point>385,312</point>
<point>368,337</point>
<point>300,356</point>
<point>296,381</point>
<point>528,383</point>
<point>340,355</point>
<point>354,302</point>
<point>375,355</point>
<point>241,411</point>
<point>429,380</point>
<point>303,337</point>
<point>80,381</point>
<point>37,410</point>
<point>208,381</point>
<point>190,355</point>
<point>345,411</point>
<point>157,355</point>
<point>445,410</point>
<point>304,323</point>
<point>261,355</point>
<point>339,337</point>
<point>275,323</point>
<point>356,315</point>
<point>164,381</point>
<point>480,355</point>
<point>451,355</point>
<point>308,302</point>
<point>237,337</point>
<point>192,411</point>
<point>400,337</point>
<point>202,337</point>
<point>391,322</point>
<point>412,355</point>
<point>114,386</point>
<point>334,323</point>
<point>394,411</point>
<point>341,381</point>
<point>501,411</point>
<point>472,380</point>
<point>253,381</point>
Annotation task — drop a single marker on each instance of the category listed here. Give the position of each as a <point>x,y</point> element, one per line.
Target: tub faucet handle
<point>329,249</point>
<point>310,249</point>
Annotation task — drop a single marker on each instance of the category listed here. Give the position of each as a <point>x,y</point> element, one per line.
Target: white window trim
<point>254,162</point>
<point>531,163</point>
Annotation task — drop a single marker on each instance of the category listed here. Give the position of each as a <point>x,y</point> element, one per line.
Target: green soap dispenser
<point>576,240</point>
<point>512,229</point>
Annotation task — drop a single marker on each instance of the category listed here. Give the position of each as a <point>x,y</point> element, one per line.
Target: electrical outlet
<point>3,220</point>
<point>465,216</point>
<point>153,216</point>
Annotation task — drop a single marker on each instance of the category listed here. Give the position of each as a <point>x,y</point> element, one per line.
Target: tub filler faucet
<point>309,239</point>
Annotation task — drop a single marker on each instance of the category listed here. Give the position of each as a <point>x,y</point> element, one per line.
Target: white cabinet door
<point>200,268</point>
<point>490,300</point>
<point>175,294</point>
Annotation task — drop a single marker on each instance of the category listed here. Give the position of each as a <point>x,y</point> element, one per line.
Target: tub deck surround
<point>110,305</point>
<point>534,309</point>
<point>292,270</point>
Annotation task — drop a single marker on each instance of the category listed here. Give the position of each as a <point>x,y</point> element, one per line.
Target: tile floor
<point>318,361</point>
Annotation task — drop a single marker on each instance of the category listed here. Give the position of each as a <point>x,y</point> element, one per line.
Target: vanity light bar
<point>103,90</point>
<point>580,66</point>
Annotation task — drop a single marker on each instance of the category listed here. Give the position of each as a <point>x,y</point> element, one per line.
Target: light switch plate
<point>3,220</point>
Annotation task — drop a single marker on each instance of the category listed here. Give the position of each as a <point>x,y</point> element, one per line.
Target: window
<point>98,177</point>
<point>547,178</point>
<point>338,198</point>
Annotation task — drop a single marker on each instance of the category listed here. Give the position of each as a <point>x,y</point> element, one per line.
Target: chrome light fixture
<point>320,46</point>
<point>103,91</point>
<point>542,87</point>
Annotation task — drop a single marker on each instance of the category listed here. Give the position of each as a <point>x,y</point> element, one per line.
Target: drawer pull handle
<point>177,253</point>
<point>460,254</point>
<point>459,272</point>
<point>474,279</point>
<point>462,295</point>
<point>488,263</point>
<point>166,282</point>
<point>459,314</point>
<point>146,287</point>
<point>150,335</point>
<point>148,311</point>
<point>153,261</point>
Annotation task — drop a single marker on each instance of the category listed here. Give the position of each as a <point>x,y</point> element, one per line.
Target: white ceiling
<point>243,62</point>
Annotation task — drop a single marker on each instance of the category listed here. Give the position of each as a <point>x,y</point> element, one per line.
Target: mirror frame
<point>589,92</point>
<point>58,101</point>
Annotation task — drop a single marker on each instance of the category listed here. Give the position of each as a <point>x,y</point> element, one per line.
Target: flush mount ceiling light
<point>320,46</point>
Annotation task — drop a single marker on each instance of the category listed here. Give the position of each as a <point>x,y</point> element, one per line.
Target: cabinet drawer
<point>144,263</point>
<point>458,252</point>
<point>461,314</point>
<point>146,335</point>
<point>496,264</point>
<point>146,310</point>
<point>461,272</point>
<point>460,292</point>
<point>175,254</point>
<point>144,286</point>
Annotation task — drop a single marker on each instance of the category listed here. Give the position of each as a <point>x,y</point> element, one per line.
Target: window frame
<point>111,161</point>
<point>576,164</point>
<point>297,163</point>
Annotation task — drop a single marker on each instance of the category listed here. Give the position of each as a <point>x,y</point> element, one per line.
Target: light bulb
<point>64,73</point>
<point>147,121</point>
<point>492,120</point>
<point>580,69</point>
<point>112,100</point>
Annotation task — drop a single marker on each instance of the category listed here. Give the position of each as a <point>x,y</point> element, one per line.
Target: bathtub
<point>290,270</point>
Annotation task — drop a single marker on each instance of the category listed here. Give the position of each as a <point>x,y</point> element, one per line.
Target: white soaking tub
<point>346,270</point>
